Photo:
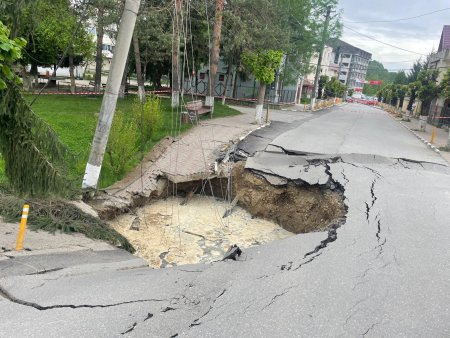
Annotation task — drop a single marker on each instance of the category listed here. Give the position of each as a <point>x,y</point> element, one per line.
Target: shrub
<point>122,142</point>
<point>148,117</point>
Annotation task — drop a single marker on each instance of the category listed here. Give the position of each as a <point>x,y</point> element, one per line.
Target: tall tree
<point>214,54</point>
<point>262,65</point>
<point>34,157</point>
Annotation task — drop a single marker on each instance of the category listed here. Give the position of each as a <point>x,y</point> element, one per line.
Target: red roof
<point>445,39</point>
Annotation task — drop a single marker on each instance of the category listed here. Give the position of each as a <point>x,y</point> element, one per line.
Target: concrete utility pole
<point>319,61</point>
<point>109,102</point>
<point>214,56</point>
<point>176,54</point>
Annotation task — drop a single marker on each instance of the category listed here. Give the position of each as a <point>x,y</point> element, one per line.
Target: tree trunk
<point>224,96</point>
<point>176,55</point>
<point>34,73</point>
<point>72,76</point>
<point>109,102</point>
<point>99,55</point>
<point>214,56</point>
<point>260,103</point>
<point>52,79</point>
<point>27,85</point>
<point>234,84</point>
<point>137,57</point>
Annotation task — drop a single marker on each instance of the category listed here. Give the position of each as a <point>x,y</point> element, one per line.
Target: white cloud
<point>420,35</point>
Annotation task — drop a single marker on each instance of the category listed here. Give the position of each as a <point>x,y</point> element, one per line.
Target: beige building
<point>440,108</point>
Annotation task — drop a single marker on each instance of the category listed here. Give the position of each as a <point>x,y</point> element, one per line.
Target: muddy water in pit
<point>173,234</point>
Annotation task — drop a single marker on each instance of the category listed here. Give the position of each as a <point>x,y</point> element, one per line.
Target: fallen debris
<point>232,252</point>
<point>230,208</point>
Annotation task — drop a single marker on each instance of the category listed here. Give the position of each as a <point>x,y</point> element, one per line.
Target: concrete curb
<point>428,144</point>
<point>431,146</point>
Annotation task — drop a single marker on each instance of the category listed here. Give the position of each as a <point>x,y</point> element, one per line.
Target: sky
<point>420,35</point>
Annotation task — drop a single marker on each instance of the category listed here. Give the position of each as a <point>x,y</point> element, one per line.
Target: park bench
<point>92,83</point>
<point>196,109</point>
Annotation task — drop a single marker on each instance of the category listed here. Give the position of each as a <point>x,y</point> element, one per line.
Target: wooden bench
<point>196,109</point>
<point>92,83</point>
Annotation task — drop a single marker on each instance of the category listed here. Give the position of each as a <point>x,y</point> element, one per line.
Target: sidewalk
<point>440,138</point>
<point>187,158</point>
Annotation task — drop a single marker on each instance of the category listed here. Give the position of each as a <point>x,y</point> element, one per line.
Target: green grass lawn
<point>74,118</point>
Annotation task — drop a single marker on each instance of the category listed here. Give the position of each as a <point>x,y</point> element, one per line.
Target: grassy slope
<point>74,119</point>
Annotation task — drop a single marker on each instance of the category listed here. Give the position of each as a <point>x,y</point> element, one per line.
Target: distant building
<point>441,61</point>
<point>108,47</point>
<point>353,63</point>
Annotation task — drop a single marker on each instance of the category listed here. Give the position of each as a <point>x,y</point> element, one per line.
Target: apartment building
<point>353,63</point>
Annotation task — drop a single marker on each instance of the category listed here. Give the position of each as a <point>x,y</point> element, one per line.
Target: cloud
<point>420,35</point>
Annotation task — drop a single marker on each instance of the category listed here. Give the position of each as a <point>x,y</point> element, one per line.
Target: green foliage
<point>334,88</point>
<point>34,157</point>
<point>148,117</point>
<point>376,71</point>
<point>10,51</point>
<point>122,142</point>
<point>428,88</point>
<point>56,215</point>
<point>132,132</point>
<point>263,64</point>
<point>400,78</point>
<point>74,119</point>
<point>322,82</point>
<point>351,92</point>
<point>445,85</point>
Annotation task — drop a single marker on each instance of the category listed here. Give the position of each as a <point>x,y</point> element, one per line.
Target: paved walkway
<point>440,138</point>
<point>191,157</point>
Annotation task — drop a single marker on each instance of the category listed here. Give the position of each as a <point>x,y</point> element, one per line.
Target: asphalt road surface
<point>385,272</point>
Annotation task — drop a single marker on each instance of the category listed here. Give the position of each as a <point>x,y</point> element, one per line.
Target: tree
<point>376,71</point>
<point>400,78</point>
<point>34,157</point>
<point>105,14</point>
<point>214,55</point>
<point>428,89</point>
<point>323,80</point>
<point>262,64</point>
<point>445,85</point>
<point>334,88</point>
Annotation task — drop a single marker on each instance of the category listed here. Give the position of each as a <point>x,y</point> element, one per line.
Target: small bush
<point>149,117</point>
<point>122,142</point>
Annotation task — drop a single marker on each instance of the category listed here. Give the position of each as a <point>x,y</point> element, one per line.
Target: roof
<point>445,39</point>
<point>343,47</point>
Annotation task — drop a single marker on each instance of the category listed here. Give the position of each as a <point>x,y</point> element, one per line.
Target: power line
<point>402,19</point>
<point>384,43</point>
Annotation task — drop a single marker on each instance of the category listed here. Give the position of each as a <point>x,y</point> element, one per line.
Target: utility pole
<point>214,55</point>
<point>319,61</point>
<point>94,165</point>
<point>176,54</point>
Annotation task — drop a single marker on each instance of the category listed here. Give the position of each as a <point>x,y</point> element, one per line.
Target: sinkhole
<point>187,225</point>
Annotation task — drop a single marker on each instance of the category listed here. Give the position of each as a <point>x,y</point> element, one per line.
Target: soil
<point>173,234</point>
<point>168,233</point>
<point>298,209</point>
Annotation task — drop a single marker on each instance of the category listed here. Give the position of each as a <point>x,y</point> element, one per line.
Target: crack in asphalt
<point>131,328</point>
<point>369,329</point>
<point>377,174</point>
<point>278,295</point>
<point>13,299</point>
<point>197,322</point>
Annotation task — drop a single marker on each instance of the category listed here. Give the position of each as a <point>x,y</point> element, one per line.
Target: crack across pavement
<point>5,294</point>
<point>197,322</point>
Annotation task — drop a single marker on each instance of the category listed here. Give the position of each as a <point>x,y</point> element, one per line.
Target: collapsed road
<point>382,271</point>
